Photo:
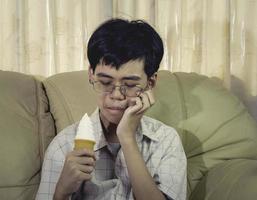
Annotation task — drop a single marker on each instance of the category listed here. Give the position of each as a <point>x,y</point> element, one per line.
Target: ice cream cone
<point>81,144</point>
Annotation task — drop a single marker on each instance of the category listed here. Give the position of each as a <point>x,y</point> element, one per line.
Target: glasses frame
<point>120,89</point>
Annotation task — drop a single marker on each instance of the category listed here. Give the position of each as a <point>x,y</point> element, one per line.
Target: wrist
<point>56,197</point>
<point>126,140</point>
<point>60,195</point>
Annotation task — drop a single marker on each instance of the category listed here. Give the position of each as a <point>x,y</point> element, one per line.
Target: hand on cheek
<point>135,105</point>
<point>141,104</point>
<point>131,117</point>
<point>147,100</point>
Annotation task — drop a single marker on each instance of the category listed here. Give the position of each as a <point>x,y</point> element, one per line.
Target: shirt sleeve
<point>51,170</point>
<point>171,173</point>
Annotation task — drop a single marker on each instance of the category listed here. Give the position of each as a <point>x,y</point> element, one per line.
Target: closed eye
<point>105,82</point>
<point>131,85</point>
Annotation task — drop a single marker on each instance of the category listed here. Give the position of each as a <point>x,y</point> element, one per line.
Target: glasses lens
<point>99,87</point>
<point>125,90</point>
<point>132,91</point>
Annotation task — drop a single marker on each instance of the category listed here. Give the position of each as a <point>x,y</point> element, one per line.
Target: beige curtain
<point>211,37</point>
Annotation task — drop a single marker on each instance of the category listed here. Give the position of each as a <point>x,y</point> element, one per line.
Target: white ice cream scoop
<point>85,134</point>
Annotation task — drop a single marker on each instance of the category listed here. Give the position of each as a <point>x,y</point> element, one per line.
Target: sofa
<point>218,134</point>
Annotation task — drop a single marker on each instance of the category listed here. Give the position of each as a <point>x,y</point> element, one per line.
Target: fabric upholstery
<point>70,95</point>
<point>26,128</point>
<point>213,124</point>
<point>234,179</point>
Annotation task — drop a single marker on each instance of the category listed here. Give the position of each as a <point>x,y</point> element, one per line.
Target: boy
<point>135,157</point>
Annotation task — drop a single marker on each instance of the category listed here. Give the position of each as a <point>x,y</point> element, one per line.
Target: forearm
<point>56,197</point>
<point>58,194</point>
<point>143,185</point>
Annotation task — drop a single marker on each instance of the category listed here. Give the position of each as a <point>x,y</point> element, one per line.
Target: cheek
<point>101,100</point>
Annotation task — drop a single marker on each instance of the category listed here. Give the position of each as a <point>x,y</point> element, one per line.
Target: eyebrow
<point>131,77</point>
<point>103,75</point>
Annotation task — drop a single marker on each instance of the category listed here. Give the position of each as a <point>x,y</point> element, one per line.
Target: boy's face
<point>112,105</point>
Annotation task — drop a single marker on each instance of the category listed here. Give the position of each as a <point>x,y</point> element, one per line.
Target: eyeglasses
<point>126,90</point>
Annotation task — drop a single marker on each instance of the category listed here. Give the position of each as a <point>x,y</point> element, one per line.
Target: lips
<point>115,110</point>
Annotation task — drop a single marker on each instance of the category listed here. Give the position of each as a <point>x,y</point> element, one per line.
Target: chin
<point>112,117</point>
<point>114,120</point>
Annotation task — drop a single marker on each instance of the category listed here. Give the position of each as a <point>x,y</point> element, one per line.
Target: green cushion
<point>70,96</point>
<point>213,124</point>
<point>26,128</point>
<point>231,180</point>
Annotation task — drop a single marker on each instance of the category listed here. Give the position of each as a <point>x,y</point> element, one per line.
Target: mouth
<point>116,110</point>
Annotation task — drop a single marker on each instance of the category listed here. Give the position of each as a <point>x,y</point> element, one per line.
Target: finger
<point>81,172</point>
<point>86,168</point>
<point>150,96</point>
<point>136,105</point>
<point>145,103</point>
<point>85,161</point>
<point>82,176</point>
<point>145,100</point>
<point>86,177</point>
<point>83,152</point>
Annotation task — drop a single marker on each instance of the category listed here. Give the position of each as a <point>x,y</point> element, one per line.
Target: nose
<point>116,93</point>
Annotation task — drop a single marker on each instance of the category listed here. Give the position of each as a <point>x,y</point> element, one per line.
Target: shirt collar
<point>99,135</point>
<point>143,130</point>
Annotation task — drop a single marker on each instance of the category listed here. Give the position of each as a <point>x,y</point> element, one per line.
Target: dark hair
<point>118,41</point>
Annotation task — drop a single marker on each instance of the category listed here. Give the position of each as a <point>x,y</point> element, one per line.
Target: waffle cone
<point>81,144</point>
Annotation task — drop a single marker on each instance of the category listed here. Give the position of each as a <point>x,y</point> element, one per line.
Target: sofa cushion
<point>217,126</point>
<point>231,180</point>
<point>70,96</point>
<point>26,128</point>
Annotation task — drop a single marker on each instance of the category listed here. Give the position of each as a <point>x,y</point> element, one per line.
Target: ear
<point>90,75</point>
<point>152,81</point>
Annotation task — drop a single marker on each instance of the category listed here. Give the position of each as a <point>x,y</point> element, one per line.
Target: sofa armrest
<point>26,128</point>
<point>231,180</point>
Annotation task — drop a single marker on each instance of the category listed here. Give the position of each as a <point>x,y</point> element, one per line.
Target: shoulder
<point>63,141</point>
<point>160,130</point>
<point>167,163</point>
<point>164,138</point>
